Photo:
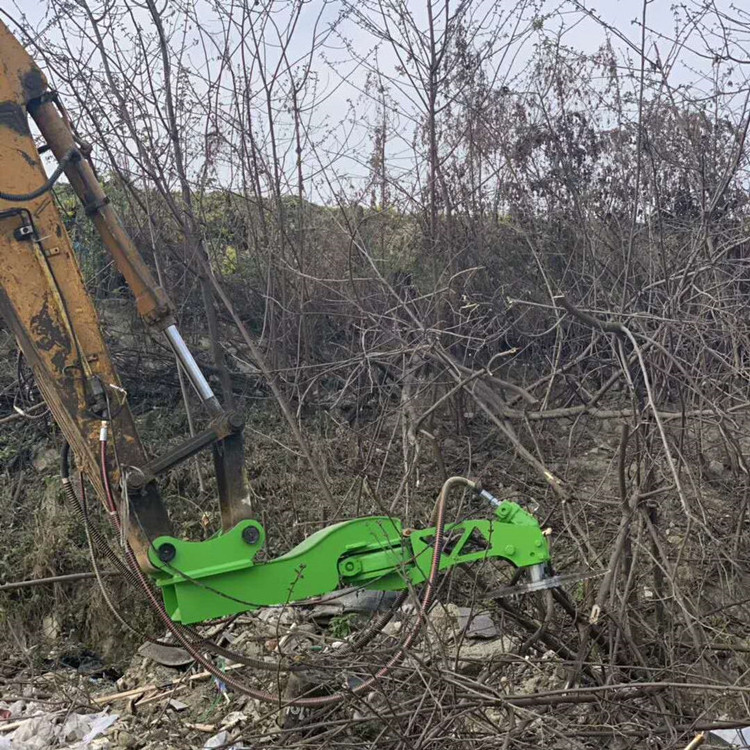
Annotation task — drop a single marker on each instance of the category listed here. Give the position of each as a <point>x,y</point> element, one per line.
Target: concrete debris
<point>451,622</point>
<point>477,625</point>
<point>474,656</point>
<point>161,709</point>
<point>277,619</point>
<point>357,601</point>
<point>393,628</point>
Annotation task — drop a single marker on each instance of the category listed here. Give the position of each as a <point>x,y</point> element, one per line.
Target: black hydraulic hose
<point>65,461</point>
<point>72,155</point>
<point>99,540</point>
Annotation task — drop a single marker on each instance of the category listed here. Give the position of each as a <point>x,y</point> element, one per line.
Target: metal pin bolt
<point>250,535</point>
<point>167,552</point>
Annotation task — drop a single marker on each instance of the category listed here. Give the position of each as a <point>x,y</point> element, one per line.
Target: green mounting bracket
<point>220,577</point>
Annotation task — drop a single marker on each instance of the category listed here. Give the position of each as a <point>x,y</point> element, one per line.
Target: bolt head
<point>136,480</point>
<point>510,549</point>
<point>251,535</point>
<point>167,552</point>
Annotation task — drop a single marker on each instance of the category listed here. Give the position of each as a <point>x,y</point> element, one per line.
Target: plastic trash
<point>77,732</point>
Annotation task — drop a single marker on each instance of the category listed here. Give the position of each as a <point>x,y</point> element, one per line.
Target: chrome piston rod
<point>190,366</point>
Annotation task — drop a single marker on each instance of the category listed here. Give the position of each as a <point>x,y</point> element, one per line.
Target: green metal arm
<point>220,577</point>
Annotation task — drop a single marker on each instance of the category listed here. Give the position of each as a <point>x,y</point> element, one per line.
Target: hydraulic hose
<point>72,155</point>
<point>182,634</point>
<point>102,545</point>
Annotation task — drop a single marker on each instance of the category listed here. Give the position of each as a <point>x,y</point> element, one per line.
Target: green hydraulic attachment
<point>220,577</point>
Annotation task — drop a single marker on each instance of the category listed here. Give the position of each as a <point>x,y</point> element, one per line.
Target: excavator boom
<point>44,301</point>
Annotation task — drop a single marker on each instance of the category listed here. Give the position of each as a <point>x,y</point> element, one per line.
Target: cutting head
<point>542,583</point>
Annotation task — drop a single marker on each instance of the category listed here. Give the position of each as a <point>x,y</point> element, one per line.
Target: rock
<point>359,601</point>
<point>44,459</point>
<point>277,618</point>
<point>168,656</point>
<point>443,621</point>
<point>126,740</point>
<point>478,626</point>
<point>474,656</point>
<point>51,628</point>
<point>247,642</point>
<point>450,622</point>
<point>393,628</point>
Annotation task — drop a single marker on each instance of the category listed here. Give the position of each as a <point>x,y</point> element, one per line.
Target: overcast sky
<point>340,91</point>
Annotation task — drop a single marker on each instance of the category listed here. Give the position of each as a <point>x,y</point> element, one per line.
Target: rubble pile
<point>164,701</point>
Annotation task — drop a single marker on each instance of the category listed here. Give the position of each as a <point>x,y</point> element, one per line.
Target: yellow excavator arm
<point>44,301</point>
